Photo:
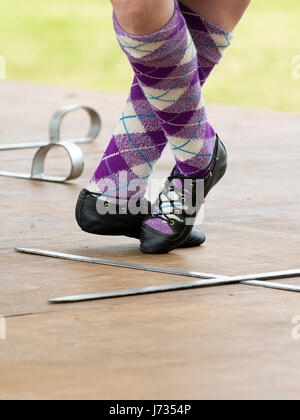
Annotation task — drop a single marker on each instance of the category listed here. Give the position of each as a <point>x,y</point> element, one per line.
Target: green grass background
<point>71,42</point>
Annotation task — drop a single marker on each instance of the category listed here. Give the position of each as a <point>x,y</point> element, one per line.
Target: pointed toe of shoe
<point>151,244</point>
<point>197,238</point>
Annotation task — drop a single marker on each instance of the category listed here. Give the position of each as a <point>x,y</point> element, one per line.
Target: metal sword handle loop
<point>70,146</point>
<point>74,153</point>
<point>57,119</point>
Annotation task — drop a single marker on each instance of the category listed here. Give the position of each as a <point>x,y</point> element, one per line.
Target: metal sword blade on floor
<point>166,288</point>
<point>258,280</point>
<point>270,285</point>
<point>100,261</point>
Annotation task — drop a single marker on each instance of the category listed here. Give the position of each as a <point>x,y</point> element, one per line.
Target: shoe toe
<point>153,245</point>
<point>197,238</point>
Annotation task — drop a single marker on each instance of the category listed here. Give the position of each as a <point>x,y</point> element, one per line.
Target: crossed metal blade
<point>209,280</point>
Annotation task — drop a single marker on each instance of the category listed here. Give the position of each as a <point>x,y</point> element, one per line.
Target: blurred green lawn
<point>71,42</point>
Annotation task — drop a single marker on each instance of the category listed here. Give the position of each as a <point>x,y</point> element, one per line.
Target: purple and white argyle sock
<point>139,140</point>
<point>166,66</point>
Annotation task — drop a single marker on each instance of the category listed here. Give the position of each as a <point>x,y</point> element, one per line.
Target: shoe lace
<point>171,202</point>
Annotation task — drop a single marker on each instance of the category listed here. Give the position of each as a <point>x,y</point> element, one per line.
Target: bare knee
<point>131,14</point>
<point>140,17</point>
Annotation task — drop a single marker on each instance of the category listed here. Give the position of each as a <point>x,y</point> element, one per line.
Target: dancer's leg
<point>164,232</point>
<point>165,64</point>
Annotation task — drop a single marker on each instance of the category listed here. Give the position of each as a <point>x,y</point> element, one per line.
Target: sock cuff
<point>173,21</point>
<point>161,43</point>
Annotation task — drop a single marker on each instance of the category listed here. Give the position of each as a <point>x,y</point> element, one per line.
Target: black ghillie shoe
<point>91,219</point>
<point>176,211</point>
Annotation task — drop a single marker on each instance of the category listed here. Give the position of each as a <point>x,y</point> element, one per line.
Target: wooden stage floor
<point>231,342</point>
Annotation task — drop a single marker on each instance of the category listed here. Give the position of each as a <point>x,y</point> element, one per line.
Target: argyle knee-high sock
<point>210,41</point>
<point>166,66</point>
<point>139,141</point>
